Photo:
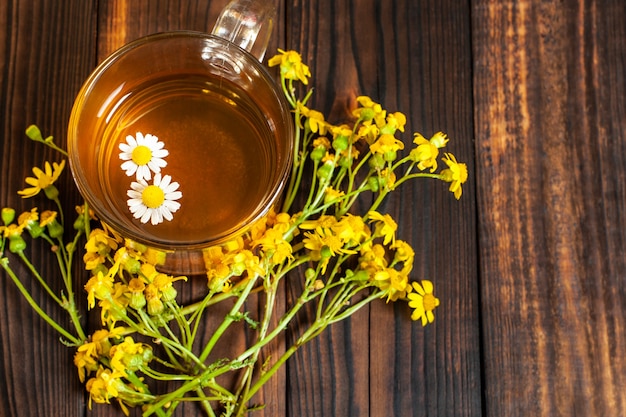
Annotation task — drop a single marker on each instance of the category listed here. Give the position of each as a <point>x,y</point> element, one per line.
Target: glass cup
<point>182,140</point>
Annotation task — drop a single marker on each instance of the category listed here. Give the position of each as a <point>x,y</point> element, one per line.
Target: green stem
<point>228,320</point>
<point>40,279</point>
<point>36,306</point>
<point>270,301</point>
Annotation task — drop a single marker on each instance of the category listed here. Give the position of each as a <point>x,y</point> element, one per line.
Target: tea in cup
<point>182,140</point>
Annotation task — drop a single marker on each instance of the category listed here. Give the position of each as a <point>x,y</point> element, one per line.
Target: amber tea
<point>220,152</point>
<point>180,140</point>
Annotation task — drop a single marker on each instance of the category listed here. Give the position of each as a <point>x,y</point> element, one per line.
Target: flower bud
<point>168,293</point>
<point>325,252</point>
<point>34,229</point>
<point>309,274</point>
<point>367,114</point>
<point>51,192</point>
<point>79,223</point>
<point>340,143</point>
<point>155,307</point>
<point>390,156</point>
<point>147,354</point>
<point>376,161</point>
<point>344,161</point>
<point>55,229</point>
<point>8,215</point>
<point>325,172</point>
<point>137,300</point>
<point>16,244</point>
<point>373,184</point>
<point>318,153</point>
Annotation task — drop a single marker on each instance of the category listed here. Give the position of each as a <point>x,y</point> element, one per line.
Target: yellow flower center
<point>141,155</point>
<point>430,302</point>
<point>153,196</point>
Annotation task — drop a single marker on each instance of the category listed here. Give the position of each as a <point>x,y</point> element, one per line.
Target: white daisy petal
<point>145,216</point>
<point>164,181</point>
<point>156,217</point>
<point>143,163</point>
<point>146,207</point>
<point>173,195</point>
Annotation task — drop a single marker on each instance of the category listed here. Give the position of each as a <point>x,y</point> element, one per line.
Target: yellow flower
<point>405,254</point>
<point>369,132</point>
<point>396,121</point>
<point>291,66</point>
<point>113,307</point>
<point>395,282</point>
<point>456,174</point>
<point>423,302</point>
<point>104,386</point>
<point>317,124</point>
<point>387,145</point>
<point>100,286</point>
<point>248,262</point>
<point>217,263</point>
<point>136,287</point>
<point>332,196</point>
<point>87,354</point>
<point>373,259</point>
<point>47,217</point>
<point>27,218</point>
<point>272,240</point>
<point>427,151</point>
<point>98,246</point>
<point>370,111</point>
<point>352,229</point>
<point>43,179</point>
<point>127,355</point>
<point>29,221</point>
<point>85,364</point>
<point>321,142</point>
<point>384,226</point>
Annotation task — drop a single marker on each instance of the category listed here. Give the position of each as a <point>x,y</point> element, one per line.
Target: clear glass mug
<point>182,140</point>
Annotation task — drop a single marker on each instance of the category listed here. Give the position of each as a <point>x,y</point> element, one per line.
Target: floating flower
<point>142,155</point>
<point>156,201</point>
<point>43,180</point>
<point>423,302</point>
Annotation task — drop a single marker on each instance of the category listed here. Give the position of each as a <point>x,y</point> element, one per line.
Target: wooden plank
<point>551,140</point>
<point>46,50</point>
<point>411,57</point>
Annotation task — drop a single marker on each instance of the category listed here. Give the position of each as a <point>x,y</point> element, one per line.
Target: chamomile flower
<point>143,155</point>
<point>155,202</point>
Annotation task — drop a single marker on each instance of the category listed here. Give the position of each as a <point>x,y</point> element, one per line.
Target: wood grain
<point>529,265</point>
<point>549,89</point>
<point>395,54</point>
<point>45,53</point>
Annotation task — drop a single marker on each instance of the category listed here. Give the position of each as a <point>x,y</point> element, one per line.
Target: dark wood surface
<point>529,264</point>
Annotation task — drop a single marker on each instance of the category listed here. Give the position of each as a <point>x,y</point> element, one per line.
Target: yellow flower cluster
<point>113,360</point>
<point>132,280</point>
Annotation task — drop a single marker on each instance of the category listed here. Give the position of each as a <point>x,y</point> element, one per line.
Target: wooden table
<point>529,264</point>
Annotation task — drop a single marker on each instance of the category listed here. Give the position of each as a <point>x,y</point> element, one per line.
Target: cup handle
<point>248,24</point>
